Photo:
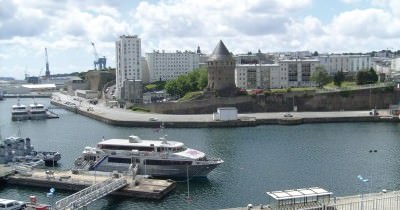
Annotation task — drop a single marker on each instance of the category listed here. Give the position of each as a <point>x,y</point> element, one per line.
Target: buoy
<point>33,199</point>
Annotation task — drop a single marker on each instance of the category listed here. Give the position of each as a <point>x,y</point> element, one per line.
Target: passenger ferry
<point>157,158</point>
<point>37,111</point>
<point>19,112</point>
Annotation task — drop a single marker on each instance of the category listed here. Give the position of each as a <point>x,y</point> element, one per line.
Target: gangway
<point>90,194</point>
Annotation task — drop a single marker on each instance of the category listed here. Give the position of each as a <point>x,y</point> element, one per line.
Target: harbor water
<point>257,159</point>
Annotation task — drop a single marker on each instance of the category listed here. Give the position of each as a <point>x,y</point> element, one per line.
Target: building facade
<point>128,62</point>
<point>346,63</point>
<point>298,72</point>
<point>257,76</point>
<point>163,66</point>
<point>132,91</point>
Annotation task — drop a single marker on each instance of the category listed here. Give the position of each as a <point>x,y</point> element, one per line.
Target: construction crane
<point>100,62</point>
<point>47,65</point>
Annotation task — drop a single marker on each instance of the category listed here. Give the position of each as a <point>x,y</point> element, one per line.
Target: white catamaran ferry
<point>157,158</point>
<point>19,112</point>
<point>37,111</point>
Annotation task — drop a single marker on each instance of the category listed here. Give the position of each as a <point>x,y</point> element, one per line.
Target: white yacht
<point>157,158</point>
<point>37,111</point>
<point>19,112</point>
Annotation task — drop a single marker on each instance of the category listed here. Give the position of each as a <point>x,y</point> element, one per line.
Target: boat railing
<point>98,162</point>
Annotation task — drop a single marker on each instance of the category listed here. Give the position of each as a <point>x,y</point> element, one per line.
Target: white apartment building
<point>297,72</point>
<point>257,76</point>
<point>128,63</point>
<point>346,63</point>
<point>168,66</point>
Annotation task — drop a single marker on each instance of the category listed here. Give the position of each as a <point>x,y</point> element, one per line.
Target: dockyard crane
<point>47,64</point>
<point>101,62</point>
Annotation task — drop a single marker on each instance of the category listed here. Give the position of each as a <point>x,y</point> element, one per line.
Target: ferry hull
<point>170,171</point>
<point>19,117</point>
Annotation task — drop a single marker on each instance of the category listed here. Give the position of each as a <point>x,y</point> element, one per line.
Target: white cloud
<point>351,1</point>
<point>366,23</point>
<point>67,27</point>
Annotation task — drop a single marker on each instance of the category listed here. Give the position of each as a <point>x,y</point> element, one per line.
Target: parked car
<point>287,115</point>
<point>373,112</point>
<point>153,119</point>
<point>6,204</point>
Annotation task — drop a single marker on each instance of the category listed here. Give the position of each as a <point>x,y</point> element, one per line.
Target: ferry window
<point>166,162</point>
<point>2,205</point>
<point>119,160</point>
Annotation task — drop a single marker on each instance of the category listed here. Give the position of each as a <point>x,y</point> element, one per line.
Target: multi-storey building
<point>127,51</point>
<point>257,76</point>
<point>346,63</point>
<point>164,66</point>
<point>299,71</point>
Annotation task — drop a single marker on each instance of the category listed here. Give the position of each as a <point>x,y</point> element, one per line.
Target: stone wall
<point>305,101</point>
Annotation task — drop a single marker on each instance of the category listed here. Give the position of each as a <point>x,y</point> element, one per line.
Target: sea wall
<point>379,98</point>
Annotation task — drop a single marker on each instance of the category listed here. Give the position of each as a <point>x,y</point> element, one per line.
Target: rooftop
<point>299,193</point>
<point>220,52</point>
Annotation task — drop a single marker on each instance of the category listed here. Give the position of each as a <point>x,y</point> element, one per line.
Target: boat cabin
<point>134,143</point>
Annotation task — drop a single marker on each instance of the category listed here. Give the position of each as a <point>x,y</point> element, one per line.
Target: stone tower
<point>221,71</point>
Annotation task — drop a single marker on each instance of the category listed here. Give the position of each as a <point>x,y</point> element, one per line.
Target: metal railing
<point>90,194</point>
<point>375,202</point>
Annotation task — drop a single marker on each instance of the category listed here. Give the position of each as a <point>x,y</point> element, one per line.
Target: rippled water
<point>257,159</point>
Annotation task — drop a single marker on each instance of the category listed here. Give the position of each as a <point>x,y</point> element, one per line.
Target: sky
<point>68,27</point>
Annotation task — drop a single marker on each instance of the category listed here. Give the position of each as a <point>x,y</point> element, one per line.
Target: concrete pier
<point>66,180</point>
<point>123,117</point>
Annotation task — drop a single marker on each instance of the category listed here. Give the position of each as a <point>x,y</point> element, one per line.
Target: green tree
<point>193,81</point>
<point>338,78</point>
<point>373,76</point>
<point>320,76</point>
<point>366,77</point>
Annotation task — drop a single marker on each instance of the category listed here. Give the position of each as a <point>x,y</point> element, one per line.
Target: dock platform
<point>5,171</point>
<point>66,180</point>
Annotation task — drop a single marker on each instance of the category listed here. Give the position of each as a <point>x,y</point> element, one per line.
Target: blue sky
<point>67,28</point>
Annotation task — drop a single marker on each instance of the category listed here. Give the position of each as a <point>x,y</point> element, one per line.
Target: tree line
<point>321,77</point>
<point>194,81</point>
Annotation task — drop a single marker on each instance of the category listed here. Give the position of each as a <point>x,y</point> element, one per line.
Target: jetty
<point>98,183</point>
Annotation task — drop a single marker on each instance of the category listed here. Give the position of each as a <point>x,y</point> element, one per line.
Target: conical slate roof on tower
<point>220,52</point>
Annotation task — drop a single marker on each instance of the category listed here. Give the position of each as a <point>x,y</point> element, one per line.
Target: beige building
<point>298,71</point>
<point>257,76</point>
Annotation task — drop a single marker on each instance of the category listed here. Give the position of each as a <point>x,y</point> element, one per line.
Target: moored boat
<point>37,111</point>
<point>19,150</point>
<point>157,158</point>
<point>19,112</point>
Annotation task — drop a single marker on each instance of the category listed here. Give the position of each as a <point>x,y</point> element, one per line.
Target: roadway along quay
<point>67,180</point>
<point>124,117</point>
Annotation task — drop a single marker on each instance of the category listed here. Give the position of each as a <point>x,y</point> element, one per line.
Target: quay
<point>123,117</point>
<point>67,180</point>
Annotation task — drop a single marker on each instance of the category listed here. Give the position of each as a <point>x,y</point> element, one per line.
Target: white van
<point>11,204</point>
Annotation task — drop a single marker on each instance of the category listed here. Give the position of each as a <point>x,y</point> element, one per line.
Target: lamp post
<point>362,179</point>
<point>372,151</point>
